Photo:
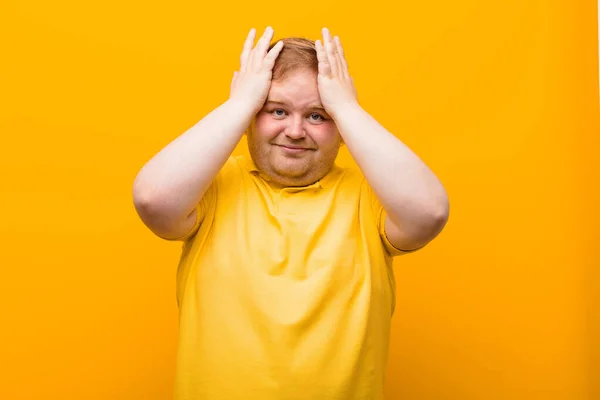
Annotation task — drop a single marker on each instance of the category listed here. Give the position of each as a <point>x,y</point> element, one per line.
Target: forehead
<point>299,88</point>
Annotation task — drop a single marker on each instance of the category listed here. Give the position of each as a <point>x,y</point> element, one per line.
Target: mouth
<point>293,149</point>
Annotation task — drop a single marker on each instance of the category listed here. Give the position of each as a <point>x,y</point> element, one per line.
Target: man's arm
<point>415,201</point>
<point>169,187</point>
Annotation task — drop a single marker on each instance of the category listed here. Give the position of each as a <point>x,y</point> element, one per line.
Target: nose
<point>295,129</point>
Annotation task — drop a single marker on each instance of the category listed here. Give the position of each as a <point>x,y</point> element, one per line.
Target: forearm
<point>409,191</point>
<point>175,179</point>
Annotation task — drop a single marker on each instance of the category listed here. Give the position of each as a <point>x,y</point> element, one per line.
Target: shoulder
<point>233,170</point>
<point>342,177</point>
<point>349,179</point>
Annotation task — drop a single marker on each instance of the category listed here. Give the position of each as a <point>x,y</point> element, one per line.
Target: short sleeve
<point>205,210</point>
<point>202,209</point>
<point>380,216</point>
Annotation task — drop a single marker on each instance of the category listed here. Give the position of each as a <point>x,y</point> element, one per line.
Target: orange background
<point>499,98</point>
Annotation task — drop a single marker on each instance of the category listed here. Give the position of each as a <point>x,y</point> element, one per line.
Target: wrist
<point>345,108</point>
<point>240,108</point>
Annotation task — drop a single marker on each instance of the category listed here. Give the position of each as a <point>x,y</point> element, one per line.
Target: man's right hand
<point>250,85</point>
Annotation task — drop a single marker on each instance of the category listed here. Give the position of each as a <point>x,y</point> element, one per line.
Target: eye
<point>316,117</point>
<point>278,112</point>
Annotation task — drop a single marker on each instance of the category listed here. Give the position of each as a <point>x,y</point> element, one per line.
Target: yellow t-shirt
<point>285,293</point>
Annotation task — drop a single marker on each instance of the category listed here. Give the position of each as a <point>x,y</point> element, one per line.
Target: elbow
<point>142,198</point>
<point>146,207</point>
<point>153,212</point>
<point>158,207</point>
<point>143,203</point>
<point>437,216</point>
<point>146,201</point>
<point>430,218</point>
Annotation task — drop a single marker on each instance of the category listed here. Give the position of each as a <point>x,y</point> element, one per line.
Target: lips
<point>297,148</point>
<point>293,151</point>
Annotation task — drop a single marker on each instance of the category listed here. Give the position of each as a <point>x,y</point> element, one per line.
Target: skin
<point>168,188</point>
<point>412,196</point>
<point>292,139</point>
<point>291,145</point>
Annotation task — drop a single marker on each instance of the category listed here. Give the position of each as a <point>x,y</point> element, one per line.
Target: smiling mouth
<point>293,148</point>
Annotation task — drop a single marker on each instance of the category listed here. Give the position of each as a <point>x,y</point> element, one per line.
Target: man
<point>285,284</point>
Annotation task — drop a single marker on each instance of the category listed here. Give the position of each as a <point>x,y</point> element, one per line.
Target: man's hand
<point>336,86</point>
<point>250,85</point>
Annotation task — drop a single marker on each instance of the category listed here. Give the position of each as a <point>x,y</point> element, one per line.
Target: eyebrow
<point>312,106</point>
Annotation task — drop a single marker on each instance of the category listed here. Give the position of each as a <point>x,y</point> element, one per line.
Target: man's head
<point>292,140</point>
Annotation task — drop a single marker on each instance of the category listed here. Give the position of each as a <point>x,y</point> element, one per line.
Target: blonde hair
<point>298,53</point>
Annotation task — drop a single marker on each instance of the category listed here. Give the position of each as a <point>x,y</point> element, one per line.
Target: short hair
<point>298,53</point>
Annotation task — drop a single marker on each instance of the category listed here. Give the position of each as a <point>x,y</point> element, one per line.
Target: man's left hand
<point>336,86</point>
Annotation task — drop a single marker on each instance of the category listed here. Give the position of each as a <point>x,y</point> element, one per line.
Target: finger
<point>324,68</point>
<point>272,55</point>
<point>232,84</point>
<point>326,35</point>
<point>341,58</point>
<point>353,87</point>
<point>329,51</point>
<point>247,49</point>
<point>336,57</point>
<point>261,47</point>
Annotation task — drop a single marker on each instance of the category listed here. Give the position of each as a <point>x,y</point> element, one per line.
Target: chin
<point>290,174</point>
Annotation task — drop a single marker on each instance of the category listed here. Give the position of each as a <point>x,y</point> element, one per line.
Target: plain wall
<point>500,99</point>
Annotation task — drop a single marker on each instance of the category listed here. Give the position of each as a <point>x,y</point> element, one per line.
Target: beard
<point>291,169</point>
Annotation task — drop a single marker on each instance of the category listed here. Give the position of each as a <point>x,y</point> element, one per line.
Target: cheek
<point>266,126</point>
<point>326,135</point>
